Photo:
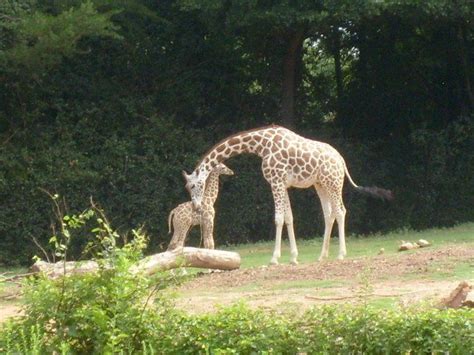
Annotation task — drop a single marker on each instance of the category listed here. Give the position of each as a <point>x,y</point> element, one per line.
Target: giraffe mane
<point>235,135</point>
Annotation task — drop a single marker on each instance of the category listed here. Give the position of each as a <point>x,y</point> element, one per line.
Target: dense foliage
<point>241,330</point>
<point>113,99</point>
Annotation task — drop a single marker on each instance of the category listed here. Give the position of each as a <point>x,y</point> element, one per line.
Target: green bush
<point>366,330</point>
<point>233,330</point>
<point>241,330</point>
<point>99,312</point>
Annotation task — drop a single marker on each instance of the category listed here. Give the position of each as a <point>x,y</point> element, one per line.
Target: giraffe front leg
<point>208,230</point>
<point>291,231</point>
<point>279,198</point>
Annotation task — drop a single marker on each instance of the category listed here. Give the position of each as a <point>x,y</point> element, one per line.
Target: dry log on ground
<point>192,257</point>
<point>55,270</point>
<point>188,256</point>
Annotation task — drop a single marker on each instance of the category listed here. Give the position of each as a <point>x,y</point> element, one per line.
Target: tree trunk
<point>192,257</point>
<point>289,85</point>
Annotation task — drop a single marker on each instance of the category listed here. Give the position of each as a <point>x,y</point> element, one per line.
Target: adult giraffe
<point>288,160</point>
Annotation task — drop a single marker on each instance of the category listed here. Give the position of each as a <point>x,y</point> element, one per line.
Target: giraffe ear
<point>185,175</point>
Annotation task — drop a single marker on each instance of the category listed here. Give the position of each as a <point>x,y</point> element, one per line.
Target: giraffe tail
<point>170,219</point>
<point>374,191</point>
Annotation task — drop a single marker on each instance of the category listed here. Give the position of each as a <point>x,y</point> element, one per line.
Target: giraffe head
<point>222,169</point>
<point>196,182</point>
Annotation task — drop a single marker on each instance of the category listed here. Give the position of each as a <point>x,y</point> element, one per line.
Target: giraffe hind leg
<point>341,217</point>
<point>329,218</point>
<point>181,227</point>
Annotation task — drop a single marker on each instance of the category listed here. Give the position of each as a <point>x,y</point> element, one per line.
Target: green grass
<point>308,284</point>
<point>259,254</point>
<point>453,270</point>
<point>11,271</point>
<point>9,289</point>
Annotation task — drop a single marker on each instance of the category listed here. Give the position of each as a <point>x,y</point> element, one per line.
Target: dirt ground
<point>9,310</point>
<point>406,278</point>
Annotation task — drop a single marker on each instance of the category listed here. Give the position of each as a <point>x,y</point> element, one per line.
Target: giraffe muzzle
<point>197,206</point>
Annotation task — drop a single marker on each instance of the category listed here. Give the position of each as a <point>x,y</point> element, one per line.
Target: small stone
<point>423,243</point>
<point>407,246</point>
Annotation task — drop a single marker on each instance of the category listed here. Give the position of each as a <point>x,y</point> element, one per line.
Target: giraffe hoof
<point>294,262</point>
<point>340,257</point>
<point>273,262</point>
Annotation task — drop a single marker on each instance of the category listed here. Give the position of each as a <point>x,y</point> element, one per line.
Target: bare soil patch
<point>404,277</point>
<point>9,310</point>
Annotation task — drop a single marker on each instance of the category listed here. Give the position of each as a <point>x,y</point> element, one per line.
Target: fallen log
<point>55,270</point>
<point>182,257</point>
<point>191,257</point>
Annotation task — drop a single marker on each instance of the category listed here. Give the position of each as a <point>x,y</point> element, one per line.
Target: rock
<point>423,243</point>
<point>407,246</point>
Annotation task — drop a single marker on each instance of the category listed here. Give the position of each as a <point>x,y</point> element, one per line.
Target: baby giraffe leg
<point>182,221</point>
<point>208,229</point>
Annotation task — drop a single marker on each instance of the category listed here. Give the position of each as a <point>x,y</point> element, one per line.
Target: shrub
<point>100,312</point>
<point>366,330</point>
<point>236,329</point>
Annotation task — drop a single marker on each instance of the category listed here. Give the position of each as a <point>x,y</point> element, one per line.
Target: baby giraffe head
<point>222,169</point>
<point>196,183</point>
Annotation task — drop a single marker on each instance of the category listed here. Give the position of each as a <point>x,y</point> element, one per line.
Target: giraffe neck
<point>252,142</point>
<point>212,189</point>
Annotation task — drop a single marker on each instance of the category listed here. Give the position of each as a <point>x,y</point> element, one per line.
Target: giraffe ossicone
<point>185,216</point>
<point>288,160</point>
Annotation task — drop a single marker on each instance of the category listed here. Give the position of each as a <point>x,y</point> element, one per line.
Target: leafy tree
<point>42,40</point>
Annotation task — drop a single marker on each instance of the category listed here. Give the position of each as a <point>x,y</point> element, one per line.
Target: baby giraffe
<point>184,216</point>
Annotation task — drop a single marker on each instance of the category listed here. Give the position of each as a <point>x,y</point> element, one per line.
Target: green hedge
<point>241,330</point>
<point>134,173</point>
